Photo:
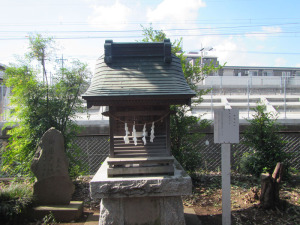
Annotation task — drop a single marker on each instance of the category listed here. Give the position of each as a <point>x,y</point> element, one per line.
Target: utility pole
<point>203,51</point>
<point>62,62</point>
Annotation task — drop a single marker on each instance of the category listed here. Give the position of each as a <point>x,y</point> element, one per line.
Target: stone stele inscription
<point>50,166</point>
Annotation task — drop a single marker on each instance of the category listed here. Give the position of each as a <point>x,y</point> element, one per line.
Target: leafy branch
<point>183,138</point>
<point>38,106</point>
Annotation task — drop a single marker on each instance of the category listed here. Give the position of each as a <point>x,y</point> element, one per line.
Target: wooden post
<point>111,136</point>
<point>168,138</point>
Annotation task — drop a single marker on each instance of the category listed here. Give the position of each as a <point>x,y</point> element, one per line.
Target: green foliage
<point>41,49</point>
<point>151,35</point>
<point>49,219</point>
<point>184,142</point>
<point>247,163</point>
<point>38,106</point>
<point>262,136</point>
<point>15,200</point>
<point>294,171</point>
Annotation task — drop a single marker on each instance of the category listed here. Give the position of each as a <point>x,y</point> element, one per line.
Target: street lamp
<point>203,52</point>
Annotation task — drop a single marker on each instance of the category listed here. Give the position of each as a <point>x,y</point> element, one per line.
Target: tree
<point>184,141</point>
<point>38,106</point>
<point>265,142</point>
<point>40,49</point>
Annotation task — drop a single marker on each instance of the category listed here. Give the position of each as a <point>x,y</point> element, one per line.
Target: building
<point>242,87</point>
<point>242,71</point>
<point>237,79</point>
<point>2,69</point>
<point>4,92</point>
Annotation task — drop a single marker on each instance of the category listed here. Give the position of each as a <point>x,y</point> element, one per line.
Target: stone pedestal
<point>62,213</point>
<point>141,200</point>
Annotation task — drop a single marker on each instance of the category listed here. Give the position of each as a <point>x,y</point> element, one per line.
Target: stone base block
<point>141,200</point>
<point>102,186</point>
<point>54,190</point>
<point>62,213</point>
<point>143,210</point>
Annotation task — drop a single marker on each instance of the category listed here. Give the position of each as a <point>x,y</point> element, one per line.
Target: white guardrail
<point>253,82</point>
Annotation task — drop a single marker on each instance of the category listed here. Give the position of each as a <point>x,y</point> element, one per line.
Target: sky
<point>241,32</point>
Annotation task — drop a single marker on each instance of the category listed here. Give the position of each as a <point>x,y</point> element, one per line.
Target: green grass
<point>15,191</point>
<point>15,198</point>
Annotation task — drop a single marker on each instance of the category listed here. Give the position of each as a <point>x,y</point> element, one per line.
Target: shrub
<point>265,142</point>
<point>248,163</point>
<point>184,142</point>
<point>49,219</point>
<point>15,200</point>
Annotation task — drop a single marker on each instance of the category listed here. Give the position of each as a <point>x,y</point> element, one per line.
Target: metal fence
<point>96,148</point>
<point>211,153</point>
<point>261,84</point>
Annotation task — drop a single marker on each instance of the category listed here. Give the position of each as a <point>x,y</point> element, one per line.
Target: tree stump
<point>269,197</point>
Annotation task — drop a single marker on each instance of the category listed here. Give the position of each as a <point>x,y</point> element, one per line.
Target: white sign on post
<point>226,126</point>
<point>226,131</point>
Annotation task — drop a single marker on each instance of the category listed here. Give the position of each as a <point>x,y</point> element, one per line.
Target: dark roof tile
<point>127,76</point>
<point>131,78</point>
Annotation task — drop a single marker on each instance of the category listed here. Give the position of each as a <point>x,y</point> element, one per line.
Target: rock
<point>50,166</point>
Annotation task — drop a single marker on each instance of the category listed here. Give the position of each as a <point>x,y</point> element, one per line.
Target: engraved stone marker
<point>50,166</point>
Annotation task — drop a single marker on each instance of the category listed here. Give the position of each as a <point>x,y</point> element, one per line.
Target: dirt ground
<point>207,200</point>
<point>245,191</point>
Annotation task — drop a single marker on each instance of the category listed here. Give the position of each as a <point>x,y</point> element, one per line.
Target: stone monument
<point>50,166</point>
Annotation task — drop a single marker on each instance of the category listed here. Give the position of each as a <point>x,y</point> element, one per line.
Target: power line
<point>275,34</point>
<point>174,29</point>
<point>198,21</point>
<point>234,33</point>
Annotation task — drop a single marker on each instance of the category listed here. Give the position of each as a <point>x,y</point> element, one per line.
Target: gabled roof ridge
<point>137,49</point>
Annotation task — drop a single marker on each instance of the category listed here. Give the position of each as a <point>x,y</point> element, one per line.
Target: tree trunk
<point>269,197</point>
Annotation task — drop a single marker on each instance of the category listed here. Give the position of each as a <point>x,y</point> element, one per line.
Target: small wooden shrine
<point>139,81</point>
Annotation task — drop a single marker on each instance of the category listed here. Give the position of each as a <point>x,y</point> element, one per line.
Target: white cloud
<point>260,47</point>
<point>264,33</point>
<point>273,30</point>
<point>231,51</point>
<point>280,62</point>
<point>175,11</point>
<point>112,17</point>
<point>257,35</point>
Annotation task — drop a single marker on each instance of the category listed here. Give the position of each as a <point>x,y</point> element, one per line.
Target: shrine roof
<point>138,70</point>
